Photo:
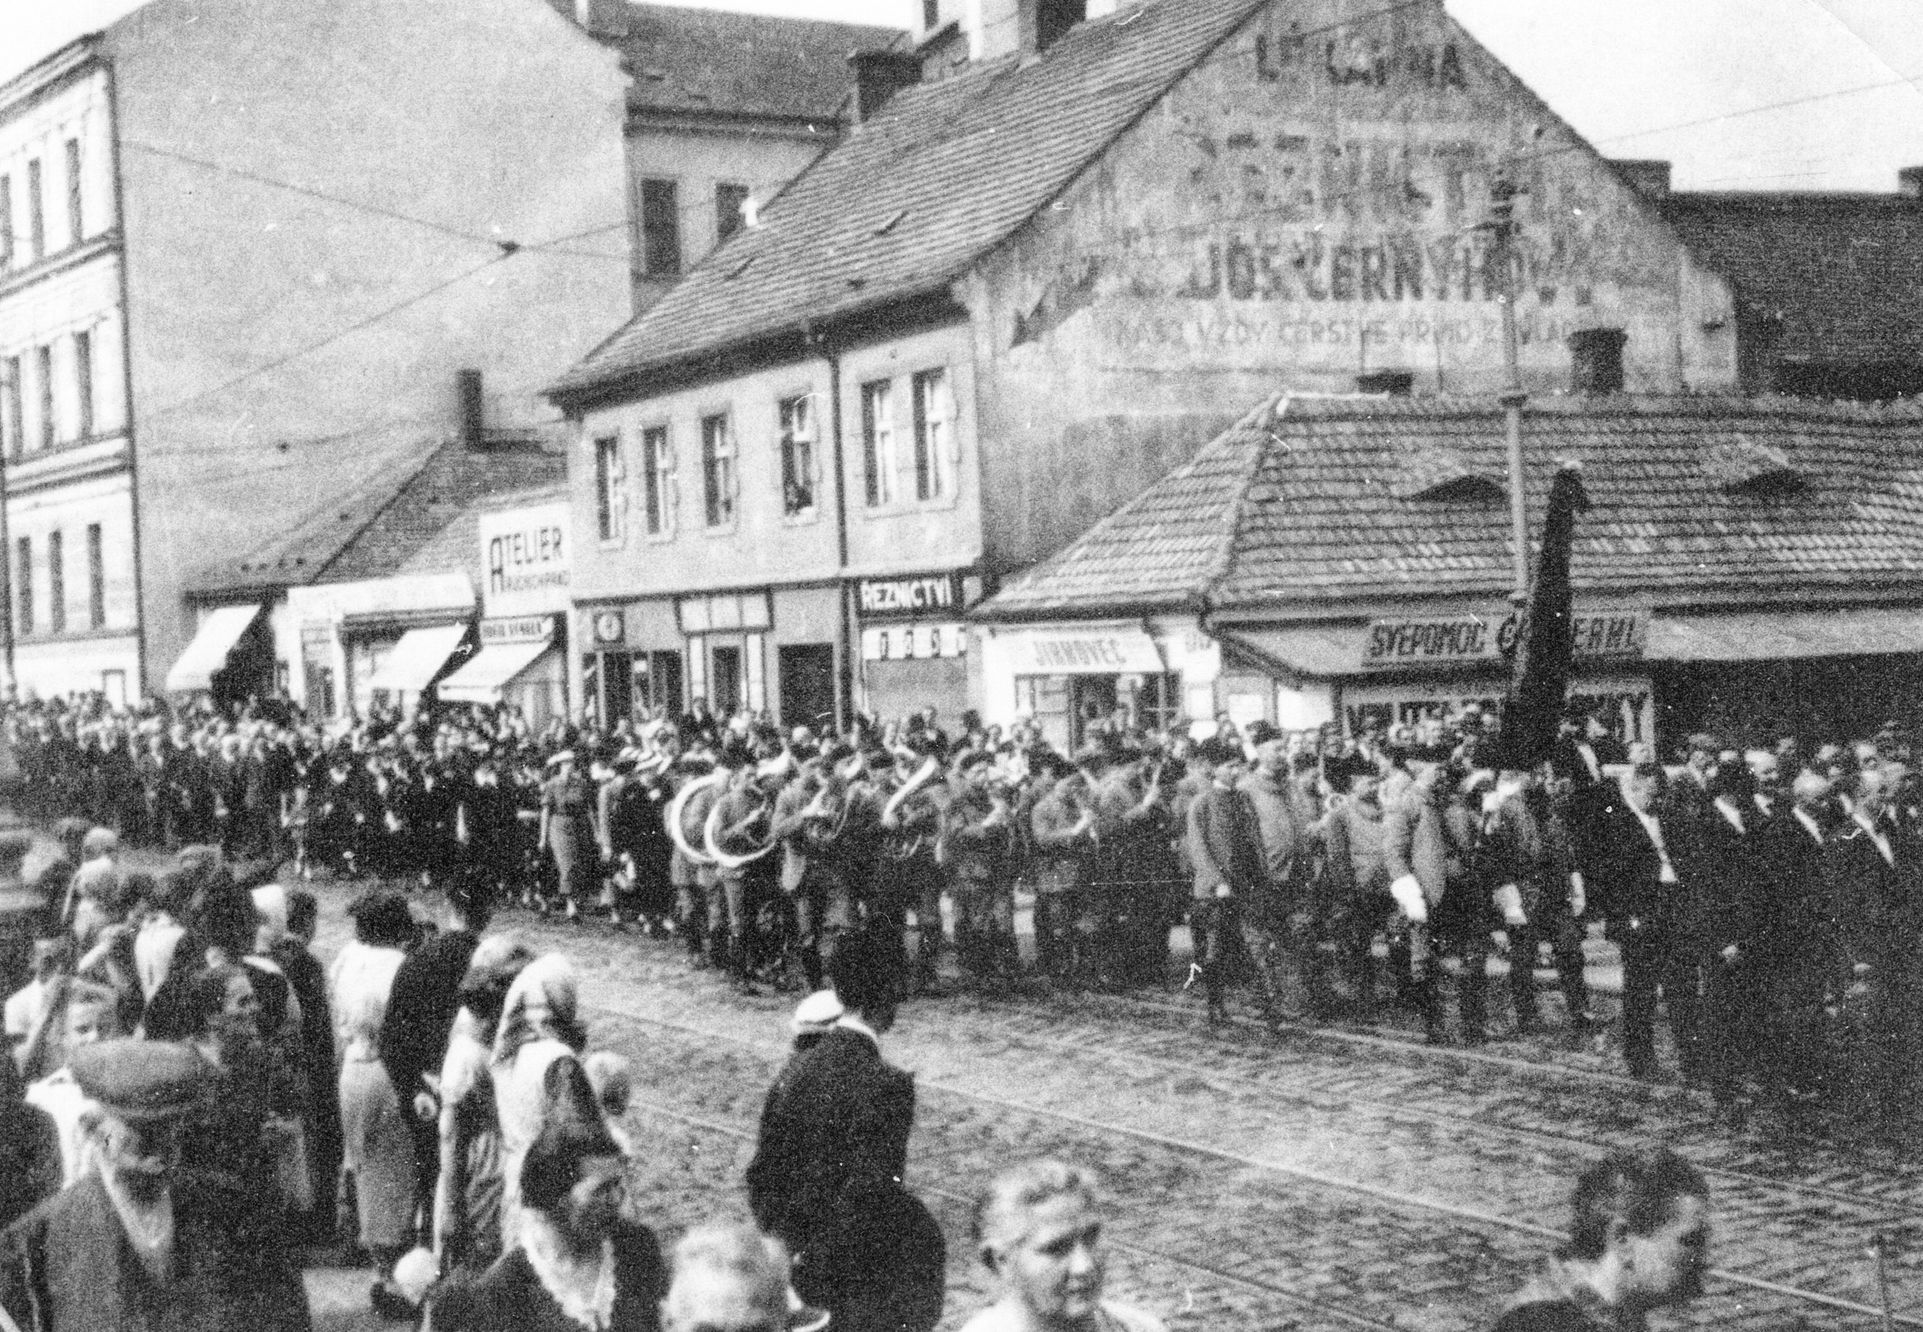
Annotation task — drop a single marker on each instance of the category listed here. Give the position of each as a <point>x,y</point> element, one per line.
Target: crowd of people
<point>193,1095</point>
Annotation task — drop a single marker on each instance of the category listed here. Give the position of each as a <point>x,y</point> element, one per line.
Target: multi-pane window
<point>729,201</point>
<point>96,578</point>
<point>660,228</point>
<point>656,465</point>
<point>36,211</point>
<point>56,583</point>
<point>878,441</point>
<point>798,455</point>
<point>6,221</point>
<point>83,384</point>
<point>23,584</point>
<point>933,431</point>
<point>43,371</point>
<point>73,191</point>
<point>12,422</point>
<point>609,479</point>
<point>717,469</point>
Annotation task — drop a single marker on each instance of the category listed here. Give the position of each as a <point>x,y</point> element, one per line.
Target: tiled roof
<point>1297,507</point>
<point>1844,272</point>
<point>708,61</point>
<point>378,528</point>
<point>916,194</point>
<point>458,544</point>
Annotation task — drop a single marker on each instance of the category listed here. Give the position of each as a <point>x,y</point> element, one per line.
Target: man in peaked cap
<point>143,1244</point>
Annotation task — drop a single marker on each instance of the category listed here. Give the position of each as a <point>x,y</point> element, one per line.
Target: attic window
<point>738,269</point>
<point>1744,466</point>
<point>1433,472</point>
<point>894,219</point>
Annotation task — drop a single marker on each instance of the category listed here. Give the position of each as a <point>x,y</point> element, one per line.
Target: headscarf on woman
<point>536,1067</point>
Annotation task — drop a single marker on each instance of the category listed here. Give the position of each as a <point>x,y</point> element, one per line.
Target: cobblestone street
<point>1307,1179</point>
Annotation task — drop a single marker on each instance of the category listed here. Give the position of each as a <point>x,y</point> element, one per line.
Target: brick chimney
<point>1649,177</point>
<point>1909,182</point>
<point>471,410</point>
<point>1042,23</point>
<point>879,75</point>
<point>1596,360</point>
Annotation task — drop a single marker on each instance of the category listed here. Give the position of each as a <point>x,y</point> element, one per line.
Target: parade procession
<point>983,665</point>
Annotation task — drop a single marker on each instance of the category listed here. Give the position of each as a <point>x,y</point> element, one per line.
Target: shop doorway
<point>806,674</point>
<point>657,680</point>
<point>617,686</point>
<point>726,681</point>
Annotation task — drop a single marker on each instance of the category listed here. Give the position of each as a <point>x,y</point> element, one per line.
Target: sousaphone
<point>689,841</point>
<point>728,860</point>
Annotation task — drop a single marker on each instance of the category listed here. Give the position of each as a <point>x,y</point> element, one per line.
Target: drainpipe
<point>845,634</point>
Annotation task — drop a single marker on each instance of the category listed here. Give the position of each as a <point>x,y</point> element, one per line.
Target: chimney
<point>1649,177</point>
<point>1041,23</point>
<point>879,75</point>
<point>1395,383</point>
<point>1909,182</point>
<point>1596,360</point>
<point>467,392</point>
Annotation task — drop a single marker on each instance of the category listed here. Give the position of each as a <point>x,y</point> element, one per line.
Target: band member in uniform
<point>1528,857</point>
<point>1135,870</point>
<point>810,818</point>
<point>738,837</point>
<point>1065,849</point>
<point>906,877</point>
<point>1430,841</point>
<point>977,836</point>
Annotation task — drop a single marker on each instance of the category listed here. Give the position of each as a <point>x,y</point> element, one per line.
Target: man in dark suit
<point>1796,939</point>
<point>1231,875</point>
<point>1645,844</point>
<point>826,1178</point>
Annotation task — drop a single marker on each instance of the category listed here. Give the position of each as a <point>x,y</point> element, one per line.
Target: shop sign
<point>908,596</point>
<point>1086,652</point>
<point>914,642</point>
<point>520,629</point>
<point>1446,639</point>
<point>527,556</point>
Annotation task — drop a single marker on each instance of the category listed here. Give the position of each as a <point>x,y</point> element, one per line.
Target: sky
<point>1738,94</point>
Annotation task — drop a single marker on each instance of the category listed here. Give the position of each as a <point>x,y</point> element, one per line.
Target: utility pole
<point>1502,229</point>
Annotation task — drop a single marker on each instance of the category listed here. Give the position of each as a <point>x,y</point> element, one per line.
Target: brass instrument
<point>825,822</point>
<point>727,860</point>
<point>672,816</point>
<point>930,771</point>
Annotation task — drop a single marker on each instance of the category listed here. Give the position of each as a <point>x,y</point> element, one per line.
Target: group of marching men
<point>1769,902</point>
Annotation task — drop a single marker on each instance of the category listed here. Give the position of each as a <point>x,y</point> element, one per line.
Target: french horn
<point>671,816</point>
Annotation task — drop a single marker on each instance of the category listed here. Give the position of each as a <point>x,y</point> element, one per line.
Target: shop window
<point>878,441</point>
<point>57,582</point>
<point>660,228</point>
<point>657,681</point>
<point>934,431</point>
<point>798,456</point>
<point>609,479</point>
<point>718,480</point>
<point>657,475</point>
<point>23,584</point>
<point>96,578</point>
<point>727,679</point>
<point>617,685</point>
<point>729,202</point>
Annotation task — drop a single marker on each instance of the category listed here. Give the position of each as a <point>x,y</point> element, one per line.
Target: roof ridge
<point>1262,419</point>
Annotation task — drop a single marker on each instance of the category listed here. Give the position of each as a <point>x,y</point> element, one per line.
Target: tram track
<point>1313,1179</point>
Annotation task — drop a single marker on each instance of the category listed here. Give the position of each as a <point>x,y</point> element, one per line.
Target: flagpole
<point>1502,206</point>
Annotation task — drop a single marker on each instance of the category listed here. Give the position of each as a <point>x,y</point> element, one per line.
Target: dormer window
<point>1745,466</point>
<point>1432,472</point>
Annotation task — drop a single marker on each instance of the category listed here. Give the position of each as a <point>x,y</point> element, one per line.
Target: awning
<point>418,658</point>
<point>490,671</point>
<point>1082,651</point>
<point>213,643</point>
<point>1318,651</point>
<point>1784,635</point>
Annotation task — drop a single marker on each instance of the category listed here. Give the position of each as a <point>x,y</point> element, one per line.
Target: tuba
<point>683,837</point>
<point>727,860</point>
<point>930,771</point>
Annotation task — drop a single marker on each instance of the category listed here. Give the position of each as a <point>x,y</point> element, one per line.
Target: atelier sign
<point>900,598</point>
<point>1443,639</point>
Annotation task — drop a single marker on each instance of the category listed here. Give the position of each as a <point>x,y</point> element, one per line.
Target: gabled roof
<point>458,544</point>
<point>1296,506</point>
<point>943,173</point>
<point>707,61</point>
<point>1843,272</point>
<point>375,530</point>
